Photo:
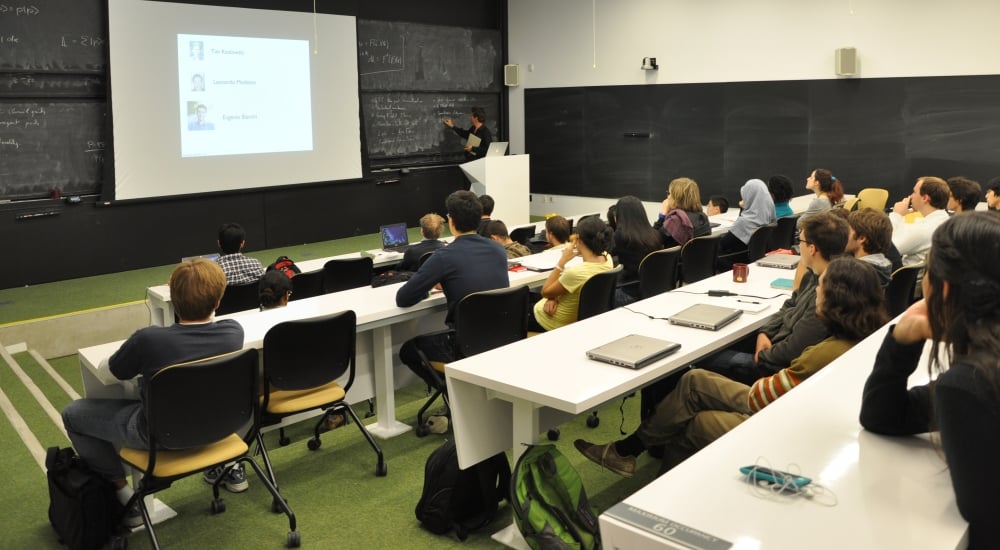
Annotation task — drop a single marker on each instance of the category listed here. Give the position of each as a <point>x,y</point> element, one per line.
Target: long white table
<point>891,492</point>
<point>503,398</point>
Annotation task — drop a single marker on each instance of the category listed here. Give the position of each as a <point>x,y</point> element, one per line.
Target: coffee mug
<point>740,273</point>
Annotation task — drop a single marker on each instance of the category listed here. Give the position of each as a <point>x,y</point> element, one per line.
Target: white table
<point>891,492</point>
<point>502,398</point>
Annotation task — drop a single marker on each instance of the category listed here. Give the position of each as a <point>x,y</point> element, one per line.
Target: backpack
<point>390,277</point>
<point>285,265</point>
<point>463,500</point>
<point>550,505</point>
<point>83,507</point>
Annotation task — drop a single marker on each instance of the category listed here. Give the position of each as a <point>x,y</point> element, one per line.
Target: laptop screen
<point>394,235</point>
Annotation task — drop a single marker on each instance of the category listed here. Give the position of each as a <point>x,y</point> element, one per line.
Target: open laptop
<point>705,316</point>
<point>781,261</point>
<point>394,237</point>
<point>633,351</point>
<point>214,256</point>
<point>497,149</point>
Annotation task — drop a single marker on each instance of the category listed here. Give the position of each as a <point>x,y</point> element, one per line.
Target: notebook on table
<point>705,316</point>
<point>780,261</point>
<point>394,237</point>
<point>633,351</point>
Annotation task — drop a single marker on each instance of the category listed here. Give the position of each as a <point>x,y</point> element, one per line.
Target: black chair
<point>698,258</point>
<point>303,361</point>
<point>598,294</point>
<point>194,413</point>
<point>658,272</point>
<point>423,258</point>
<point>523,234</point>
<point>483,321</point>
<point>900,292</point>
<point>783,235</point>
<point>307,285</point>
<point>756,249</point>
<point>346,274</point>
<point>239,298</point>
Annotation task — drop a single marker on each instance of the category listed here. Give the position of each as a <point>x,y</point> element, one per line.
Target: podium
<point>506,180</point>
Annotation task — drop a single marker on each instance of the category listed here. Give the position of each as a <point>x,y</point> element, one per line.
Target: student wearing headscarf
<point>758,210</point>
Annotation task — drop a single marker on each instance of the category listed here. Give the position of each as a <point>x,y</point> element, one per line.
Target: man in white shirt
<point>929,198</point>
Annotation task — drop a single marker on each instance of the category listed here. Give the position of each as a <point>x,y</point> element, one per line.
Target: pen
<point>747,301</point>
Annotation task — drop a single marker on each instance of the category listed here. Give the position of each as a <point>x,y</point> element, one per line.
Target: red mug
<point>740,273</point>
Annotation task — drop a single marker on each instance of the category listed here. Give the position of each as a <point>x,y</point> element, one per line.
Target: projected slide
<point>243,95</point>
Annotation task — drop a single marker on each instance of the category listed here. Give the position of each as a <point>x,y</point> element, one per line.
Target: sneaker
<point>133,517</point>
<point>436,424</point>
<point>234,482</point>
<point>607,457</point>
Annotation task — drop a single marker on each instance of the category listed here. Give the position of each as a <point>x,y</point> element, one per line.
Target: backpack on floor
<point>461,500</point>
<point>83,507</point>
<point>550,505</point>
<point>285,265</point>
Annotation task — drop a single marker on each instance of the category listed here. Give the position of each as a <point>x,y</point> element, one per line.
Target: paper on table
<point>473,141</point>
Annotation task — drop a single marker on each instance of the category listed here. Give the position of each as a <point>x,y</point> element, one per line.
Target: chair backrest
<point>698,258</point>
<point>307,285</point>
<point>873,197</point>
<point>308,353</point>
<point>658,272</point>
<point>346,274</point>
<point>522,234</point>
<point>850,204</point>
<point>759,239</point>
<point>423,258</point>
<point>598,294</point>
<point>490,319</point>
<point>200,402</point>
<point>899,293</point>
<point>783,234</point>
<point>239,298</point>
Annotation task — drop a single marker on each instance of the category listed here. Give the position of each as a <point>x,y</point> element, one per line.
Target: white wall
<point>556,42</point>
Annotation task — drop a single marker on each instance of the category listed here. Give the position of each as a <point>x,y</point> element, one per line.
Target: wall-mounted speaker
<point>846,62</point>
<point>512,75</point>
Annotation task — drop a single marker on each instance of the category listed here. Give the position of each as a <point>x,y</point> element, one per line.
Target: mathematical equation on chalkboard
<point>411,123</point>
<point>53,35</point>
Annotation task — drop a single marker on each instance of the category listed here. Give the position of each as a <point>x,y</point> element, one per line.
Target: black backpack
<point>463,500</point>
<point>83,507</point>
<point>285,265</point>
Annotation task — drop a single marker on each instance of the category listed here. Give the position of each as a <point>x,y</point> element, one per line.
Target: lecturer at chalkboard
<point>479,129</point>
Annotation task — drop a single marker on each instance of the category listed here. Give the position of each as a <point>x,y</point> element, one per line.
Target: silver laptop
<point>214,256</point>
<point>394,237</point>
<point>704,316</point>
<point>781,261</point>
<point>497,149</point>
<point>633,351</point>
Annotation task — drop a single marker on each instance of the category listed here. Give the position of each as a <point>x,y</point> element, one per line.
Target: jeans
<point>439,346</point>
<point>98,427</point>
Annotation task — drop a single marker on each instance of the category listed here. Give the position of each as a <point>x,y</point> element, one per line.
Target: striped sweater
<point>813,358</point>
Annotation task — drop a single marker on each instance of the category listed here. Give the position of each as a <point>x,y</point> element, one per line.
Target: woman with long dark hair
<point>960,315</point>
<point>634,239</point>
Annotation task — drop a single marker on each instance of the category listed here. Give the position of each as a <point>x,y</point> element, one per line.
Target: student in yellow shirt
<point>561,291</point>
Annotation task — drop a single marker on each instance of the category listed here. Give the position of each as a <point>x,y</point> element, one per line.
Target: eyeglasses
<point>803,241</point>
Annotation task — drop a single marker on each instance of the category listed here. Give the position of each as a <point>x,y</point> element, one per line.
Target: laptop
<point>497,149</point>
<point>394,237</point>
<point>633,351</point>
<point>705,316</point>
<point>780,261</point>
<point>214,256</point>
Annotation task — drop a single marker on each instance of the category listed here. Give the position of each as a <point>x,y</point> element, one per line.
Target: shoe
<point>234,482</point>
<point>606,456</point>
<point>333,422</point>
<point>133,517</point>
<point>436,424</point>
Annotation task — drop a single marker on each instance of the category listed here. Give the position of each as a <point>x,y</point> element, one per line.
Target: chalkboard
<point>608,141</point>
<point>52,144</point>
<point>413,57</point>
<point>53,35</point>
<point>408,125</point>
<point>52,85</point>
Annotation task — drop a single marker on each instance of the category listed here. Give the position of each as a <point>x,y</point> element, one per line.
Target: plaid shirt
<point>240,269</point>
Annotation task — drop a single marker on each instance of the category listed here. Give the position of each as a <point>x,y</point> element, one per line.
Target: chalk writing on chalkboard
<point>53,35</point>
<point>382,55</point>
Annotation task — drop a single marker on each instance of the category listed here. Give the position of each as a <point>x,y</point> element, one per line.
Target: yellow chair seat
<point>292,401</point>
<point>180,462</point>
<point>438,366</point>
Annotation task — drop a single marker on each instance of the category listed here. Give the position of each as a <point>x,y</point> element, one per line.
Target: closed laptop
<point>781,261</point>
<point>633,351</point>
<point>705,316</point>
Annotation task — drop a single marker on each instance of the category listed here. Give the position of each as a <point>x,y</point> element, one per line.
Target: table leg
<point>386,425</point>
<point>526,429</point>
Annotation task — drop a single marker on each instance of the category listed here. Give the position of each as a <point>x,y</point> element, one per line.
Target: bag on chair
<point>83,507</point>
<point>461,500</point>
<point>550,505</point>
<point>285,265</point>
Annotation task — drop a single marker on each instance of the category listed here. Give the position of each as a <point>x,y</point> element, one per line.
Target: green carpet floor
<point>338,501</point>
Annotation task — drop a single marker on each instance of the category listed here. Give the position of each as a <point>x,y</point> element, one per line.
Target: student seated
<point>705,405</point>
<point>960,316</point>
<point>561,291</point>
<point>556,232</point>
<point>239,269</point>
<point>717,204</point>
<point>780,187</point>
<point>431,226</point>
<point>497,231</point>
<point>758,210</point>
<point>634,239</point>
<point>275,288</point>
<point>681,217</point>
<point>828,189</point>
<point>98,427</point>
